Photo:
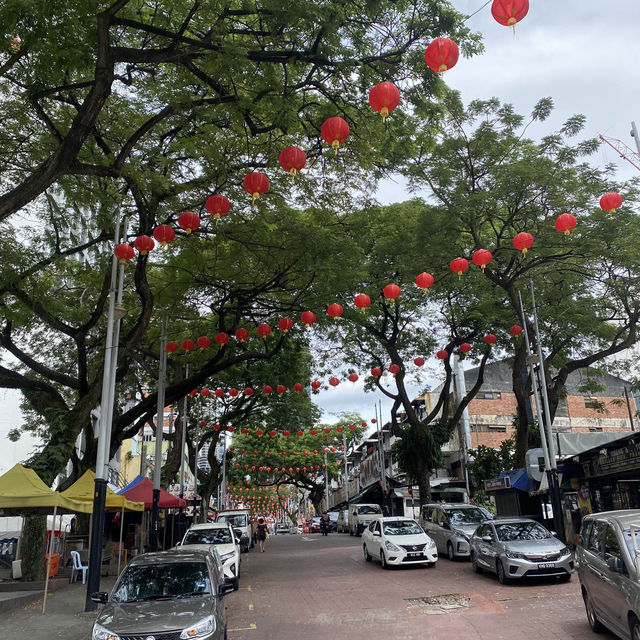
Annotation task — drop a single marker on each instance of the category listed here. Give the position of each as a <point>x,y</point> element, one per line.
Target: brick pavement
<point>313,587</point>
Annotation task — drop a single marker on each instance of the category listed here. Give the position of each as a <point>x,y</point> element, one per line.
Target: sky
<point>574,51</point>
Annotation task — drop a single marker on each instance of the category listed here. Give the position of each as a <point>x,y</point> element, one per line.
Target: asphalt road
<point>312,587</point>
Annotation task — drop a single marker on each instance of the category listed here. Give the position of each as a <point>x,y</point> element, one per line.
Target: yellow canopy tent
<point>22,493</point>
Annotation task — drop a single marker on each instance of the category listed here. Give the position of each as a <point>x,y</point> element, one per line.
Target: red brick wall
<point>506,406</point>
<point>612,410</point>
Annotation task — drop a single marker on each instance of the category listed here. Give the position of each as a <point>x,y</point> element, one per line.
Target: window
<point>596,536</point>
<point>611,545</point>
<point>592,403</point>
<point>208,536</point>
<point>497,428</point>
<point>595,429</point>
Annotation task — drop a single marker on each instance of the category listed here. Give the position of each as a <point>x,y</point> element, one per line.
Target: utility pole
<point>346,475</point>
<point>157,465</point>
<point>465,435</point>
<point>326,483</point>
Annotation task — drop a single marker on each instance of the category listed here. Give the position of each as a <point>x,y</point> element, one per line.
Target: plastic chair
<point>78,566</point>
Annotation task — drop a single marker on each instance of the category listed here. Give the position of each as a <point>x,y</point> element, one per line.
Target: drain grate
<point>446,603</point>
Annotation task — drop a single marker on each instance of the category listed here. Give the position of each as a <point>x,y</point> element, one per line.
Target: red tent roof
<point>143,492</point>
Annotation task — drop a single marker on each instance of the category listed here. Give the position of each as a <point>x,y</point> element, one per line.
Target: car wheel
<point>365,553</point>
<point>236,584</point>
<point>450,553</point>
<point>430,565</point>
<point>502,576</point>
<point>565,578</point>
<point>594,623</point>
<point>634,625</point>
<point>474,563</point>
<point>383,561</point>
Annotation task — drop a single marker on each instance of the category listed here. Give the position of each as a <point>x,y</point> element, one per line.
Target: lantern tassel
<point>524,251</point>
<point>335,144</point>
<point>254,197</point>
<point>293,172</point>
<point>384,112</point>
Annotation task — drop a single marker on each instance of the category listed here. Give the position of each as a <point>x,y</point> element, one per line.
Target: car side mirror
<point>101,597</point>
<point>615,564</point>
<point>376,533</point>
<point>225,588</point>
<point>487,539</point>
<point>554,534</point>
<point>179,543</point>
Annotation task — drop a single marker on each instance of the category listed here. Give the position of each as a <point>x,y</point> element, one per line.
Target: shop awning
<point>83,489</point>
<point>519,479</point>
<point>141,490</point>
<point>22,492</point>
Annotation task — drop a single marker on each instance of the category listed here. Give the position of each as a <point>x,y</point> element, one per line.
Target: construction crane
<point>631,156</point>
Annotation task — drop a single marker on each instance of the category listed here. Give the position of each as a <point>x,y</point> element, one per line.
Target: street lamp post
<point>326,483</point>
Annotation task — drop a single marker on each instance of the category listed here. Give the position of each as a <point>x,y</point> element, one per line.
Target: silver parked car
<point>607,563</point>
<point>451,525</point>
<point>169,594</point>
<point>519,548</point>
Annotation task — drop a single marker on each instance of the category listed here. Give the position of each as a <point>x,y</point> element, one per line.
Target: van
<point>361,516</point>
<point>238,519</point>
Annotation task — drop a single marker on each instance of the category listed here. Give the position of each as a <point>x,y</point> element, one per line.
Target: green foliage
<point>488,463</point>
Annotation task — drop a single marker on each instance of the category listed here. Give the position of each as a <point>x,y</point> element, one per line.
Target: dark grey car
<point>607,563</point>
<point>517,548</point>
<point>171,594</point>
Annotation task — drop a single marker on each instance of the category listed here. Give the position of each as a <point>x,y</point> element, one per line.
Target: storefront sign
<point>618,459</point>
<point>495,484</point>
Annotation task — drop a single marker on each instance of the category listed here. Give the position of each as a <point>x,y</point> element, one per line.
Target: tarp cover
<point>519,479</point>
<point>84,487</point>
<point>23,493</point>
<point>142,491</point>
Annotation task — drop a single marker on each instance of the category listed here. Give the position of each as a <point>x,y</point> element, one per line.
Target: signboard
<point>495,484</point>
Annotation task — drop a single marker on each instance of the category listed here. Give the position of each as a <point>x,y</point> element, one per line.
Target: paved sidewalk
<point>65,616</point>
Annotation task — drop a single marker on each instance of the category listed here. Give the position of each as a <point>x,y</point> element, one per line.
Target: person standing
<point>324,523</point>
<point>261,533</point>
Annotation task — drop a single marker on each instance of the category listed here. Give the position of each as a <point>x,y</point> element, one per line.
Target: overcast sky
<point>581,53</point>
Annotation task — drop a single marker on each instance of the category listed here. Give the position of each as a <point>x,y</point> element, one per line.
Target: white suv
<point>222,537</point>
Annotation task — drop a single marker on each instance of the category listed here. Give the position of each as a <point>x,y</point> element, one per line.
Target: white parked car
<point>396,541</point>
<point>221,537</point>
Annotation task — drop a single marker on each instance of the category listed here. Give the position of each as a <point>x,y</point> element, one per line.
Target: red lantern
<point>490,338</point>
<point>286,433</point>
<point>242,335</point>
<point>231,429</point>
<point>170,347</point>
<point>334,382</point>
<point>193,393</point>
<point>384,98</point>
<point>481,258</point>
<point>144,244</point>
<point>523,242</point>
<point>233,392</point>
<point>442,354</point>
<point>565,223</point>
<point>509,12</point>
<point>249,392</point>
<point>293,159</point>
<point>515,330</point>
<point>222,339</point>
<point>273,433</point>
<point>610,202</point>
<point>164,234</point>
<point>441,55</point>
<point>362,301</point>
<point>123,252</point>
<point>352,427</point>
<point>204,392</point>
<point>281,389</point>
<point>255,183</point>
<point>465,347</point>
<point>353,377</point>
<point>339,429</point>
<point>316,384</point>
<point>264,331</point>
<point>203,342</point>
<point>285,324</point>
<point>334,131</point>
<point>392,291</point>
<point>424,280</point>
<point>459,266</point>
<point>219,393</point>
<point>267,389</point>
<point>188,345</point>
<point>418,361</point>
<point>334,310</point>
<point>298,387</point>
<point>376,372</point>
<point>299,433</point>
<point>307,318</point>
<point>188,221</point>
<point>217,206</point>
<point>394,369</point>
<point>258,432</point>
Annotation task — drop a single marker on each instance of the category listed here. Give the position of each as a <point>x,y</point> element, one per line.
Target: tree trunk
<point>521,390</point>
<point>33,548</point>
<point>424,486</point>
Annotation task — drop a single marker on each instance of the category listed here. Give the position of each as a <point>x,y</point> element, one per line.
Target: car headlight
<point>202,628</point>
<point>515,556</point>
<point>100,633</point>
<point>389,546</point>
<point>226,556</point>
<point>431,543</point>
<point>565,551</point>
<point>461,534</point>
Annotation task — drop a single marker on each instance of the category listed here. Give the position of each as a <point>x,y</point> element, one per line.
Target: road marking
<point>249,588</point>
<point>249,628</point>
<point>250,607</point>
<point>309,539</point>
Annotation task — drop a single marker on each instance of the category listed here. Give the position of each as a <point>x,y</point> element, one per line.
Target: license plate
<point>414,554</point>
<point>547,565</point>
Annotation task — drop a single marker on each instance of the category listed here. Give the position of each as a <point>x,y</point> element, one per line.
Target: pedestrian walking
<point>261,533</point>
<point>324,523</point>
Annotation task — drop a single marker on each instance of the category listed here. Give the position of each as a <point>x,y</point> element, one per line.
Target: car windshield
<point>218,535</point>
<point>470,515</point>
<point>629,540</point>
<point>333,516</point>
<point>402,528</point>
<point>369,509</point>
<point>165,581</point>
<point>237,520</point>
<point>521,531</point>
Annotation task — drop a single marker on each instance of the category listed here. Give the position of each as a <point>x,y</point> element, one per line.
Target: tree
<point>489,182</point>
<point>487,463</point>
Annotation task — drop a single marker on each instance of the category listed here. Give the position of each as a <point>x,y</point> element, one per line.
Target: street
<point>307,586</point>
